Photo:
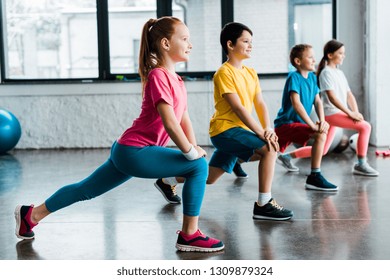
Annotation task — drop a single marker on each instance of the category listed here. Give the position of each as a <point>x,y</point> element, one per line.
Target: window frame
<point>164,8</point>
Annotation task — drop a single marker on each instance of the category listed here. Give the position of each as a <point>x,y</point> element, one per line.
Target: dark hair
<point>329,48</point>
<point>150,55</point>
<point>231,32</point>
<point>297,52</point>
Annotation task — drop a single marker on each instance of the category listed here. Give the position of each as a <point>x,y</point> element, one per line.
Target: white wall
<point>378,60</point>
<point>71,115</point>
<point>350,30</point>
<point>363,28</point>
<point>94,115</point>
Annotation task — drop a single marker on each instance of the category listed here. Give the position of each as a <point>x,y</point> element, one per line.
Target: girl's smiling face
<point>337,57</point>
<point>180,45</point>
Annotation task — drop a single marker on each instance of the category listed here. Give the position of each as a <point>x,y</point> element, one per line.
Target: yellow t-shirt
<point>229,79</point>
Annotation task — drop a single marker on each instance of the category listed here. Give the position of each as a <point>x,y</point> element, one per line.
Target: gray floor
<point>134,221</point>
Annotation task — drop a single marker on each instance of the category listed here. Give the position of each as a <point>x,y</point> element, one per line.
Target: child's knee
<point>265,151</point>
<point>366,127</point>
<point>201,166</point>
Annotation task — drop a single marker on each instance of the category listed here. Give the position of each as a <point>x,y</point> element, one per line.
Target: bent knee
<point>202,164</point>
<point>200,167</point>
<point>266,152</point>
<point>365,126</point>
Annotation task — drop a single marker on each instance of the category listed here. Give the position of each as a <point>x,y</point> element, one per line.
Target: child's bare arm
<point>262,111</point>
<point>243,114</point>
<point>353,113</point>
<point>263,133</point>
<point>322,125</point>
<point>298,107</point>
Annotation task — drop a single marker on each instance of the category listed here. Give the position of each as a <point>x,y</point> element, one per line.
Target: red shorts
<point>298,133</point>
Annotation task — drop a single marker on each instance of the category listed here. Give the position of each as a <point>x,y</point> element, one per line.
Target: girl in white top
<point>340,106</point>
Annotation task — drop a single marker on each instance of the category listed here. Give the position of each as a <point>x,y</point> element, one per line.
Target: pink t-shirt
<point>148,128</point>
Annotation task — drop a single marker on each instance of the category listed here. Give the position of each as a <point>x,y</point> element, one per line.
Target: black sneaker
<point>271,211</point>
<point>315,181</point>
<point>168,191</point>
<point>239,172</point>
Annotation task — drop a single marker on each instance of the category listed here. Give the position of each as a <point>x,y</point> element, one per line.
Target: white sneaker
<point>286,163</point>
<point>364,169</point>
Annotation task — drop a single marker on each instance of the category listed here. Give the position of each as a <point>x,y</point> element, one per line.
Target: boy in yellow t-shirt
<point>235,134</point>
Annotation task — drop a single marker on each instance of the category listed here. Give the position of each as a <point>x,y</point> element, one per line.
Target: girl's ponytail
<point>321,67</point>
<point>150,52</point>
<point>144,62</point>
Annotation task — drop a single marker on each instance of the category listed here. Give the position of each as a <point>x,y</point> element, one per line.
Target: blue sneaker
<point>315,181</point>
<point>239,172</point>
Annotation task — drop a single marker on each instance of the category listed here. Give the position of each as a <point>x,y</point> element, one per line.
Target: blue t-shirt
<point>307,90</point>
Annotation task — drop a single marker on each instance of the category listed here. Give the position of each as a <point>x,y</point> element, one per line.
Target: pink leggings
<point>343,121</point>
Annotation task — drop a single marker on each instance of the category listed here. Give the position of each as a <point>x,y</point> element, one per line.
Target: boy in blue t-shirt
<point>293,123</point>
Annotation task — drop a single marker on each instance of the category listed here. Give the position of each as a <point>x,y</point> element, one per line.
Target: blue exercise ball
<point>10,131</point>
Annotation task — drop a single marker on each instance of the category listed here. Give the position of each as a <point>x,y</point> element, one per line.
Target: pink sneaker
<point>197,242</point>
<point>24,225</point>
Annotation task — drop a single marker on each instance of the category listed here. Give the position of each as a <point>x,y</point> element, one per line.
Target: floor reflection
<point>25,251</point>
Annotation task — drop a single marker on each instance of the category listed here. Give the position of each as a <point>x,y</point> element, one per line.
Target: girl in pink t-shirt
<point>141,150</point>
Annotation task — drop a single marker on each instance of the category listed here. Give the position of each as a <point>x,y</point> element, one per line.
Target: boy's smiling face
<point>243,47</point>
<point>307,61</point>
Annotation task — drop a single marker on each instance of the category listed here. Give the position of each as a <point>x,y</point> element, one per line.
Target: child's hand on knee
<point>323,127</point>
<point>201,151</point>
<point>273,145</point>
<point>272,140</point>
<point>356,116</point>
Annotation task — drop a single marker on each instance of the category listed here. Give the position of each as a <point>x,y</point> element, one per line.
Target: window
<point>126,19</point>
<point>312,24</point>
<point>99,39</point>
<point>203,18</point>
<point>279,24</point>
<point>49,39</point>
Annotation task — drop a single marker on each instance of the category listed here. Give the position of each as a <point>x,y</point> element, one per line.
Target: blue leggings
<point>126,162</point>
